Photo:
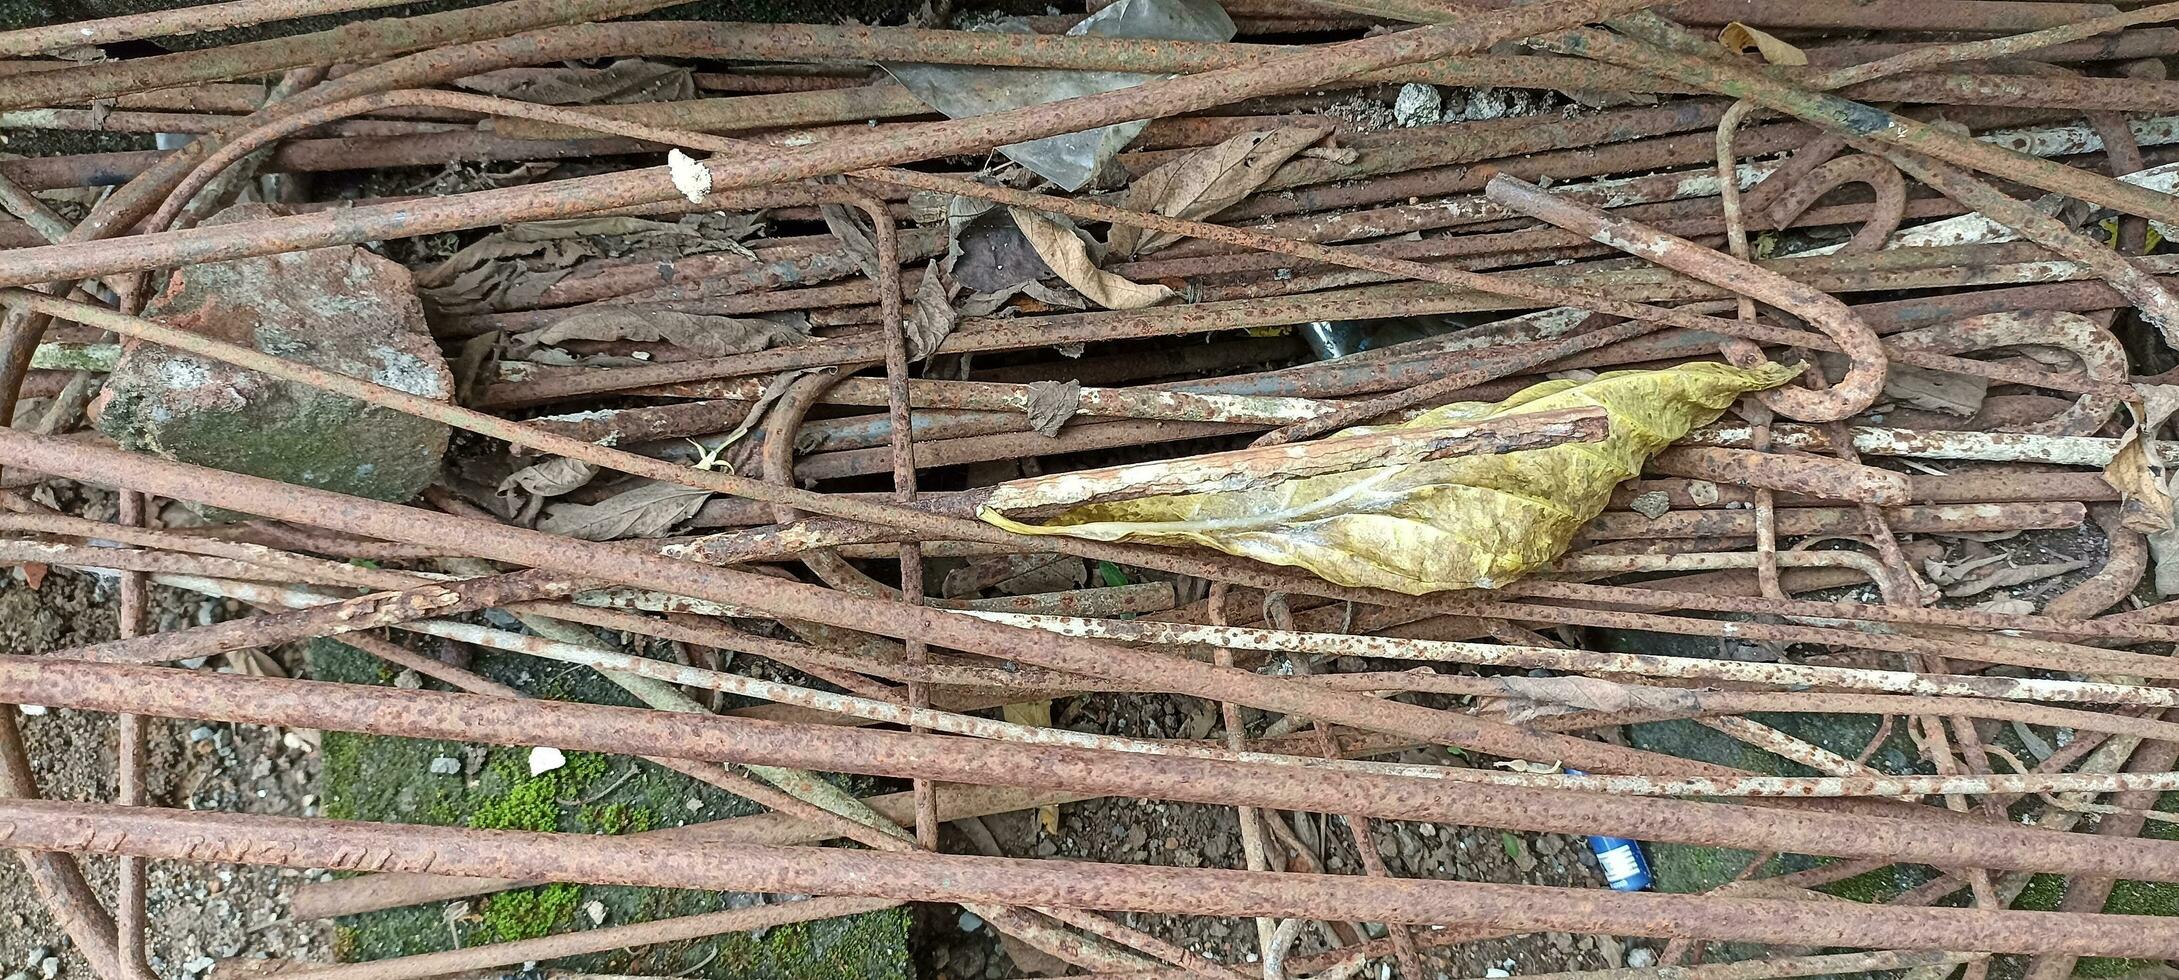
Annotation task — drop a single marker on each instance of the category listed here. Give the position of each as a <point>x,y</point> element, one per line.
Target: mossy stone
<point>341,309</point>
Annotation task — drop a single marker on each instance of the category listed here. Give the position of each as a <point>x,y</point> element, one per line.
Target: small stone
<point>1703,492</point>
<point>543,759</point>
<point>50,968</point>
<point>200,733</point>
<point>970,921</point>
<point>199,965</point>
<point>969,961</point>
<point>1641,957</point>
<point>446,765</point>
<point>1418,105</point>
<point>1496,972</point>
<point>32,710</point>
<point>693,806</point>
<point>38,956</point>
<point>408,680</point>
<point>341,309</point>
<point>596,911</point>
<point>1652,505</point>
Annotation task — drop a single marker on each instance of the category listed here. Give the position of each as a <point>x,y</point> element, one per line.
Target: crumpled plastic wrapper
<point>1470,522</point>
<point>1068,159</point>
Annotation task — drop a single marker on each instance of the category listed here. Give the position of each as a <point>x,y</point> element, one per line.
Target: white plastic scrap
<point>689,176</point>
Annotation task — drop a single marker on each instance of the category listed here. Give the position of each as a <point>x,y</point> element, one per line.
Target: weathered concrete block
<point>341,309</point>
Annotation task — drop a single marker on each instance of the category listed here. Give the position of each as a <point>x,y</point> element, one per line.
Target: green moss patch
<point>391,780</point>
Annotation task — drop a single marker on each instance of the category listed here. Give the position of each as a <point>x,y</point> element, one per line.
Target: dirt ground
<point>201,915</point>
<point>198,914</point>
<point>1196,836</point>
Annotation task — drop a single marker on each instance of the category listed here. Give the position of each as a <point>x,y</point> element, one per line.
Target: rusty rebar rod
<point>260,700</point>
<point>561,198</point>
<point>292,842</point>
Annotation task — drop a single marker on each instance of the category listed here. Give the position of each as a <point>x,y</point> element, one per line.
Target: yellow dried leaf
<point>1739,38</point>
<point>1458,523</point>
<point>2145,499</point>
<point>1039,714</point>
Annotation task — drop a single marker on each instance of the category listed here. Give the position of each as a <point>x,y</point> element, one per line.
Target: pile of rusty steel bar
<point>733,334</point>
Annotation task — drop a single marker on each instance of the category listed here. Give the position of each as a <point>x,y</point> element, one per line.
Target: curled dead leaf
<point>702,333</point>
<point>857,238</point>
<point>2134,471</point>
<point>933,318</point>
<point>1037,714</point>
<point>1739,38</point>
<point>1063,248</point>
<point>511,268</point>
<point>2003,577</point>
<point>1052,403</point>
<point>648,511</point>
<point>1542,697</point>
<point>550,478</point>
<point>1207,181</point>
<point>1952,573</point>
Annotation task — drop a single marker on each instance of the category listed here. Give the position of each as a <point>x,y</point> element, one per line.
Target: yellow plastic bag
<point>1461,523</point>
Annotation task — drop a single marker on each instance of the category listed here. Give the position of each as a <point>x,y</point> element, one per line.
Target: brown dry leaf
<point>702,333</point>
<point>476,367</point>
<point>933,317</point>
<point>857,238</point>
<point>626,80</point>
<point>1208,181</point>
<point>1935,391</point>
<point>1062,248</point>
<point>1037,714</point>
<point>254,663</point>
<point>2144,491</point>
<point>2013,576</point>
<point>1052,403</point>
<point>1739,38</point>
<point>1001,303</point>
<point>1543,697</point>
<point>550,478</point>
<point>1949,573</point>
<point>648,511</point>
<point>34,574</point>
<point>1031,960</point>
<point>510,269</point>
<point>1763,888</point>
